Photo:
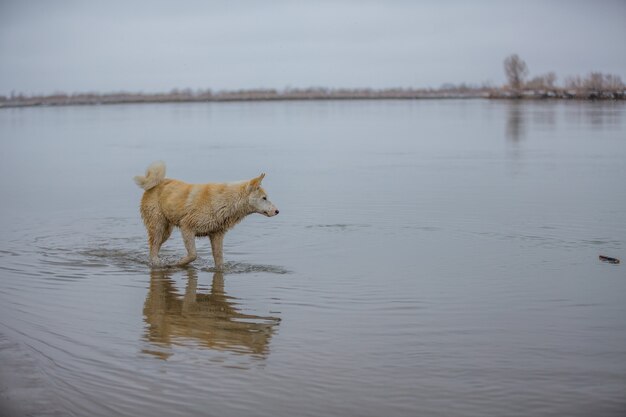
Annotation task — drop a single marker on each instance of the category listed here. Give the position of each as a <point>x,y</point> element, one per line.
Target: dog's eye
<point>264,198</point>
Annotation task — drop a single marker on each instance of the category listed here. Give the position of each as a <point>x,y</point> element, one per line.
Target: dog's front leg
<point>217,241</point>
<point>189,237</point>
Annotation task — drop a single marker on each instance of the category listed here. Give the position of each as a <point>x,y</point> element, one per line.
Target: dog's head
<point>257,198</point>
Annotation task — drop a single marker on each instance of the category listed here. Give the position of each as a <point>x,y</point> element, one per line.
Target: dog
<point>209,209</point>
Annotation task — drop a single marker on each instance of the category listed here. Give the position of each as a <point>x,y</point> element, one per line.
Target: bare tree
<point>594,82</point>
<point>542,82</point>
<point>516,71</point>
<point>550,79</point>
<point>573,82</point>
<point>535,83</point>
<point>613,82</point>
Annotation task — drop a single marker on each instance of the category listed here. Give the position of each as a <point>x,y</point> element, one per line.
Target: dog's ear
<point>255,183</point>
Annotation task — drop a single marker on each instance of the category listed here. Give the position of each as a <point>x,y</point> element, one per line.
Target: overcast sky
<point>155,45</point>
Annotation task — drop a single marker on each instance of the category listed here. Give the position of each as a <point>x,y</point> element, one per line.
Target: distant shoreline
<point>188,96</point>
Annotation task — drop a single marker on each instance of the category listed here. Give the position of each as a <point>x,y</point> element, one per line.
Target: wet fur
<point>209,209</point>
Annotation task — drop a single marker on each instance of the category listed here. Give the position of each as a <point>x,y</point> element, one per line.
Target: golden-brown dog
<point>197,209</point>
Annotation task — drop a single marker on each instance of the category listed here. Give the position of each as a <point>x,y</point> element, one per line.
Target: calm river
<point>431,258</point>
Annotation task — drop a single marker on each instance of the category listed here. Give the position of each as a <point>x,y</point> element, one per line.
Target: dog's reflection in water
<point>211,320</point>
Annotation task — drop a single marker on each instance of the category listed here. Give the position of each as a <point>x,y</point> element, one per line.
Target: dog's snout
<point>276,212</point>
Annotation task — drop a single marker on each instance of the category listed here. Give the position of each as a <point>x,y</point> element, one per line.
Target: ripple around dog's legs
<point>246,268</point>
<point>134,260</point>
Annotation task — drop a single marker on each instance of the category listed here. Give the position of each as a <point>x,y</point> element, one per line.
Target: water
<point>431,258</point>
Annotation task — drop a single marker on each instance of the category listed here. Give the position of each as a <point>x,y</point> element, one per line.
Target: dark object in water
<point>609,259</point>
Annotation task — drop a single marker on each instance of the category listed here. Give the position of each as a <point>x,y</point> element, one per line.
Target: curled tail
<point>154,175</point>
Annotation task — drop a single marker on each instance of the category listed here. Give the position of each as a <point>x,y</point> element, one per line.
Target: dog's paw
<point>185,261</point>
<point>157,263</point>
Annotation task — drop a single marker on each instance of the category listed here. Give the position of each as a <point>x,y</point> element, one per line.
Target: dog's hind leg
<point>217,243</point>
<point>158,232</point>
<point>189,237</point>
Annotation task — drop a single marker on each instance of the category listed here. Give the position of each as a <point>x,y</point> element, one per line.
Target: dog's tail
<point>154,175</point>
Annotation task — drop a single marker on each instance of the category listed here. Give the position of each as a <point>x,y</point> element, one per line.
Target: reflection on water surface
<point>210,319</point>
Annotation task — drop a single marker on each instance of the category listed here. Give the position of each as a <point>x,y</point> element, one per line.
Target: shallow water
<point>430,258</point>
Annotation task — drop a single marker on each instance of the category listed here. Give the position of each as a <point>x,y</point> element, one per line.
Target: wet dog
<point>197,209</point>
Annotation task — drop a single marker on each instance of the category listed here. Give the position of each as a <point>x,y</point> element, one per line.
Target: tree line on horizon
<point>595,85</point>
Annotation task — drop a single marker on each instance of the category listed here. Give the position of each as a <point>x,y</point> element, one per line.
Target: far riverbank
<point>187,96</point>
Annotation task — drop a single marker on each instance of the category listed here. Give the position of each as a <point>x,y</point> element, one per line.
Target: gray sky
<point>155,45</point>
